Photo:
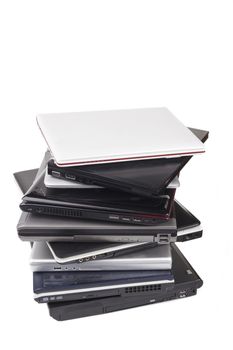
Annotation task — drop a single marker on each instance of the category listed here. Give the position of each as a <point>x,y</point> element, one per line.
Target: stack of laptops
<point>101,213</point>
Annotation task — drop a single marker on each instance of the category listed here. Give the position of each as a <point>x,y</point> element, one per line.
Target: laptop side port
<point>70,177</point>
<point>163,238</point>
<point>183,293</point>
<point>56,173</point>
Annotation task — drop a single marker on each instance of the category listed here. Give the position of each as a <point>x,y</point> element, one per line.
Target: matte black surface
<point>95,203</point>
<point>144,177</point>
<point>65,311</point>
<point>186,284</point>
<point>140,177</point>
<point>184,218</point>
<point>28,225</point>
<point>114,215</point>
<point>98,204</point>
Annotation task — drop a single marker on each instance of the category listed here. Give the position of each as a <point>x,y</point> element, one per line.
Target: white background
<point>63,56</point>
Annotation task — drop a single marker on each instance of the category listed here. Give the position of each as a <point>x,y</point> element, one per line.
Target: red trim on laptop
<point>123,159</point>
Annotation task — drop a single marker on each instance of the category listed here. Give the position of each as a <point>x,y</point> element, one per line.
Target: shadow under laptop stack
<point>103,235</point>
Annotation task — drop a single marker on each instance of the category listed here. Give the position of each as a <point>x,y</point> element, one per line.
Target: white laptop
<point>112,136</point>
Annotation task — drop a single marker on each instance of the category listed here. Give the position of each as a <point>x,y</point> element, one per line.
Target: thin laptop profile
<point>150,258</point>
<point>79,285</point>
<point>145,178</point>
<point>93,137</point>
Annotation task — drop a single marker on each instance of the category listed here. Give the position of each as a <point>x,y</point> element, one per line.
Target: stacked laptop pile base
<point>101,213</point>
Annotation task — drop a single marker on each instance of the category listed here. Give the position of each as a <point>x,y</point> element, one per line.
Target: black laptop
<point>79,285</point>
<point>96,203</point>
<point>186,283</point>
<point>145,177</point>
<point>33,227</point>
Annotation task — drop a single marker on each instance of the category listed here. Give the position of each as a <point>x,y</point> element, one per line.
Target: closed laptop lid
<point>112,136</point>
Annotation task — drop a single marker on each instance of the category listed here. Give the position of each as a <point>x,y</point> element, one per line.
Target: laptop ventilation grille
<point>140,289</point>
<point>62,212</point>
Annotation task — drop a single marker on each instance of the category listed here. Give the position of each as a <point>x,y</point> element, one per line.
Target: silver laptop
<point>113,136</point>
<point>66,252</point>
<point>155,258</point>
